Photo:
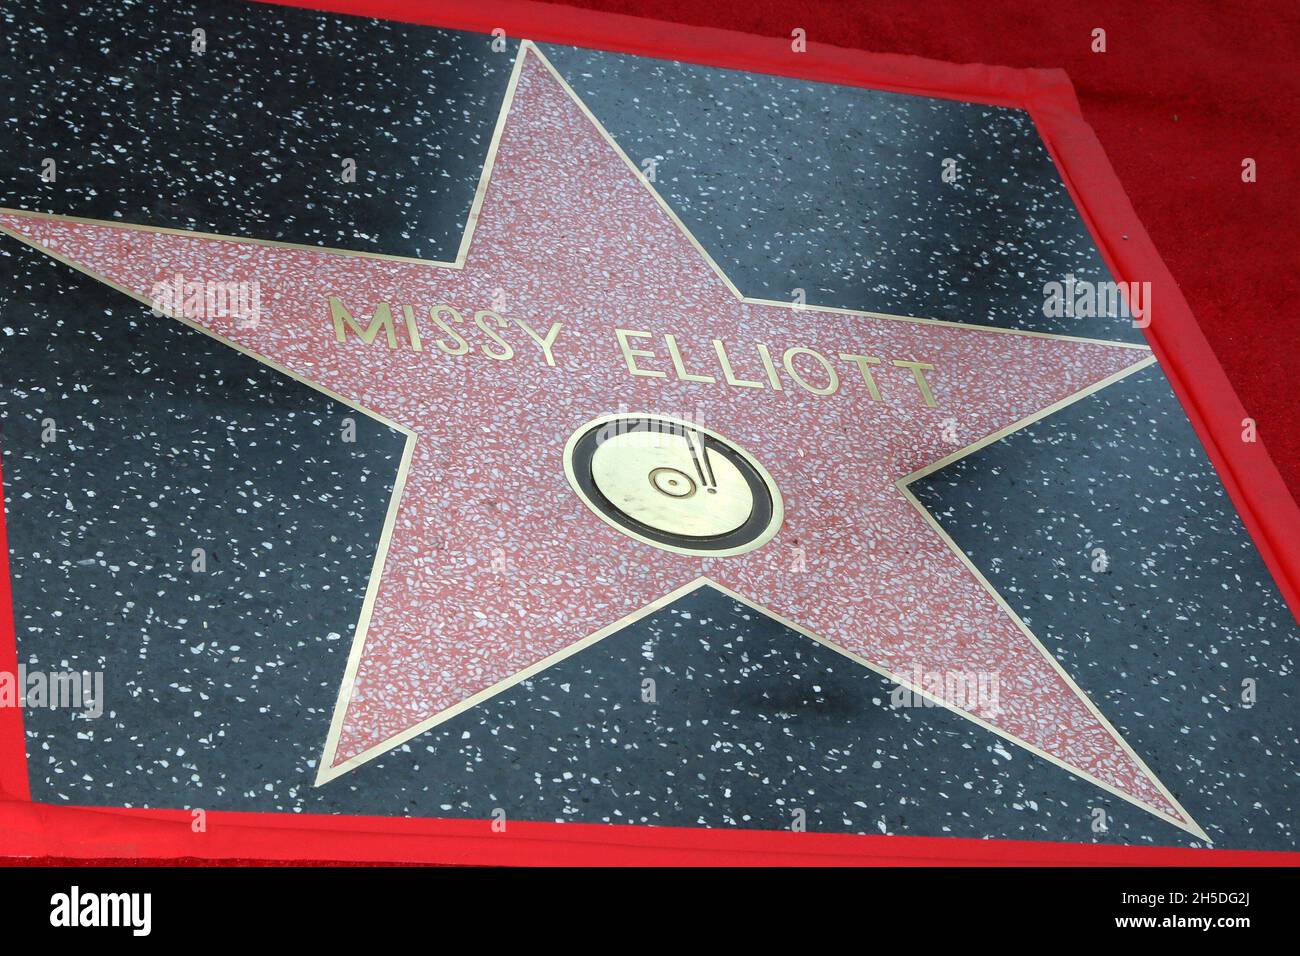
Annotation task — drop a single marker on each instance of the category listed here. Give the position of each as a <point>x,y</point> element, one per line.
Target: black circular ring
<point>760,515</point>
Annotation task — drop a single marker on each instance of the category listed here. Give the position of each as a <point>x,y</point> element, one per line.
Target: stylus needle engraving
<point>708,465</point>
<point>700,458</point>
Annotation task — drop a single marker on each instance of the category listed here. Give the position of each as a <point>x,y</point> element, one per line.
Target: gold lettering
<point>727,373</point>
<point>770,366</point>
<point>382,318</point>
<point>412,330</point>
<point>833,383</point>
<point>630,355</point>
<point>679,368</point>
<point>507,350</point>
<point>545,343</point>
<point>862,362</point>
<point>918,373</point>
<point>461,346</point>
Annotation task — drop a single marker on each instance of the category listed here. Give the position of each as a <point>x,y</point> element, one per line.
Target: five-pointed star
<point>491,568</point>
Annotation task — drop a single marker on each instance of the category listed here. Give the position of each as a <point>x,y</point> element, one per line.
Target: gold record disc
<point>673,484</point>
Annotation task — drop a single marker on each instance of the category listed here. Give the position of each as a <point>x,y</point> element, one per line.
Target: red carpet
<point>1185,92</point>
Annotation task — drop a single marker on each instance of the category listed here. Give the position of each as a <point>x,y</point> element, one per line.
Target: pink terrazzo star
<point>494,565</point>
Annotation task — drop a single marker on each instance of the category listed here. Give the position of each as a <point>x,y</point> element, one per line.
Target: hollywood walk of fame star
<point>494,564</point>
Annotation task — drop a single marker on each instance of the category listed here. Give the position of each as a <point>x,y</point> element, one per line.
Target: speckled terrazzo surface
<point>192,442</point>
<point>248,137</point>
<point>842,192</point>
<point>1132,567</point>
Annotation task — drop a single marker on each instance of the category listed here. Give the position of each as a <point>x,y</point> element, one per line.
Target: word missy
<point>444,319</point>
<point>489,334</point>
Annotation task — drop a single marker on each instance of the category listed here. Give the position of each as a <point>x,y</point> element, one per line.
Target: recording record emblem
<point>674,485</point>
